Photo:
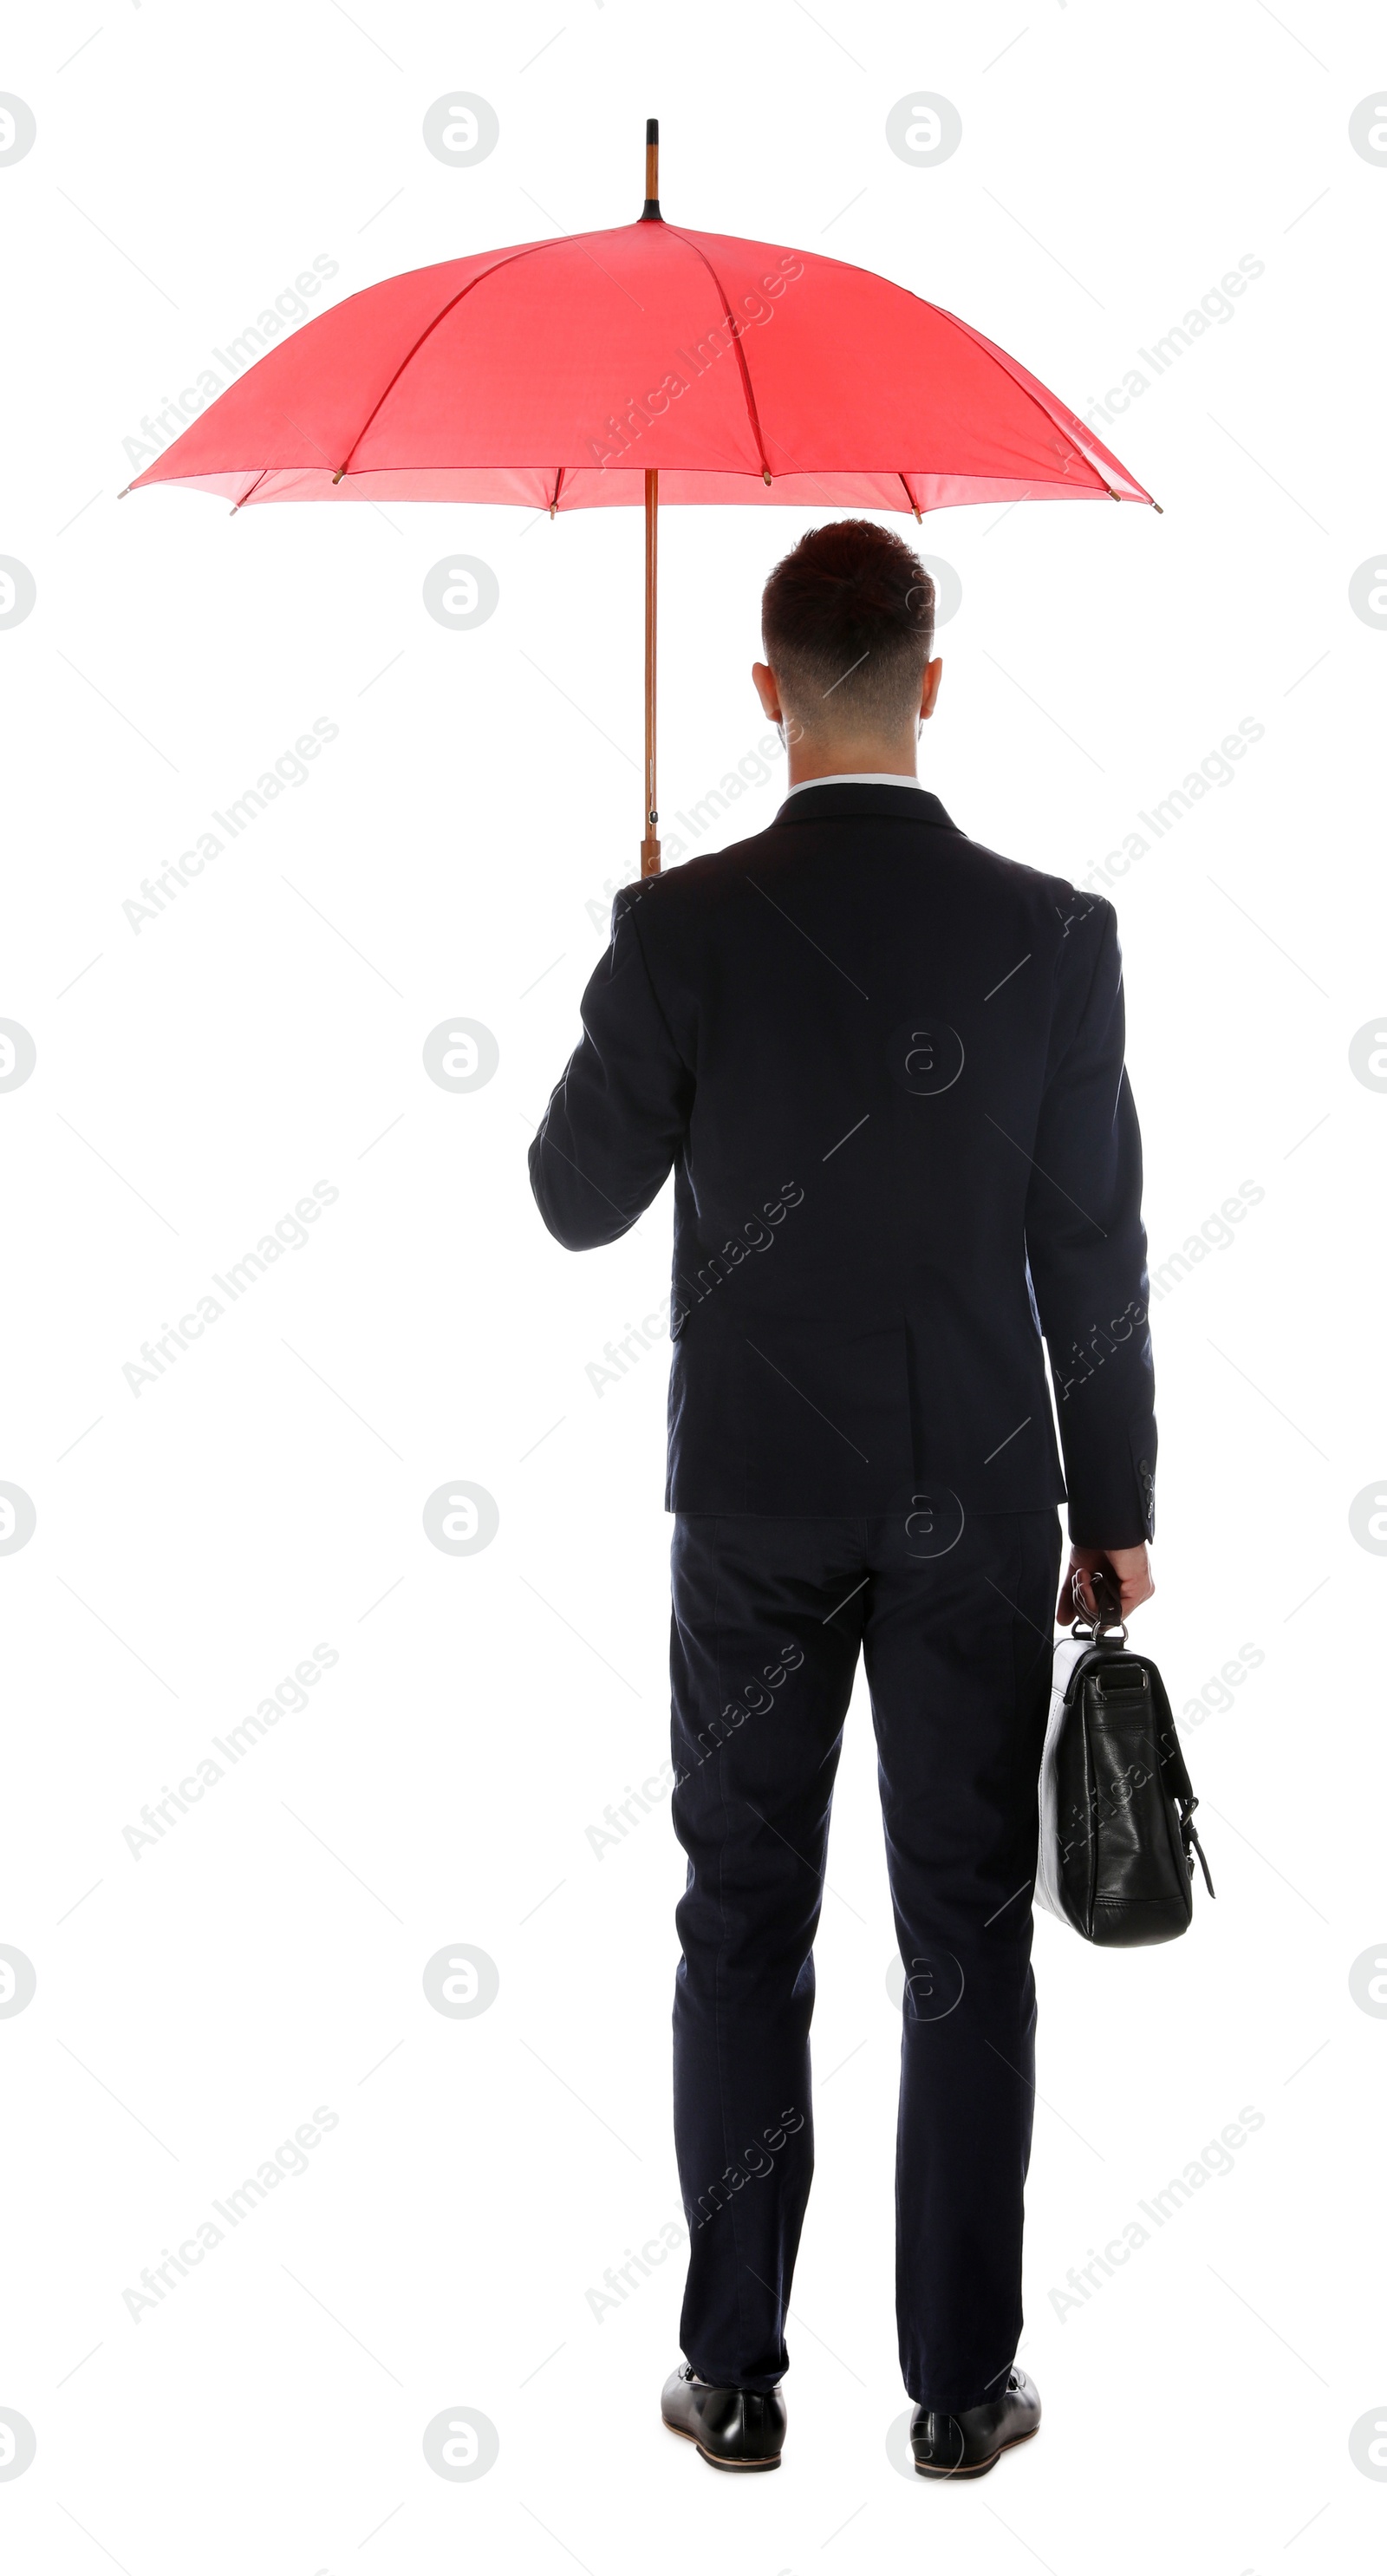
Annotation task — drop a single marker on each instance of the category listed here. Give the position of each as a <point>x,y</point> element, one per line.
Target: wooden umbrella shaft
<point>650,847</point>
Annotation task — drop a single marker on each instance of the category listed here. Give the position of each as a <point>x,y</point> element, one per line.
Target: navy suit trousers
<point>955,1620</point>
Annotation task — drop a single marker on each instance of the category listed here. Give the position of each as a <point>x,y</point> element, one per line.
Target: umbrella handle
<point>650,847</point>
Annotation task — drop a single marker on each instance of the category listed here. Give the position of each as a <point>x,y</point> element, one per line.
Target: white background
<point>195,2005</point>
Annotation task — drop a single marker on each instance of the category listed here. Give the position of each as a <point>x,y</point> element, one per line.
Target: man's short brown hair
<point>848,621</point>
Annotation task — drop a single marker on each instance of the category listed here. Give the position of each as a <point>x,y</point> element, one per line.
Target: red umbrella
<point>646,363</point>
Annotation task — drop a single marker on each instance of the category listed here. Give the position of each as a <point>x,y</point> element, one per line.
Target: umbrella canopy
<point>648,362</point>
<point>557,374</point>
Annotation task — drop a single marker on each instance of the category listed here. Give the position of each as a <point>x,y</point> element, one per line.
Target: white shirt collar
<point>857,778</point>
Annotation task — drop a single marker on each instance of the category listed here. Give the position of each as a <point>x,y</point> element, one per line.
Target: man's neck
<point>852,760</point>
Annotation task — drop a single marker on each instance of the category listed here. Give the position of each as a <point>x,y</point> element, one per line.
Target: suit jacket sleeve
<point>618,1118</point>
<point>1086,1246</point>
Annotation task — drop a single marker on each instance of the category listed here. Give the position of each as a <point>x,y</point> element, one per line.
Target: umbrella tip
<point>121,496</point>
<point>650,211</point>
<point>1158,510</point>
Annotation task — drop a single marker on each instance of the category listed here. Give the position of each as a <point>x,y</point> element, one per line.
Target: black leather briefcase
<point>1117,1834</point>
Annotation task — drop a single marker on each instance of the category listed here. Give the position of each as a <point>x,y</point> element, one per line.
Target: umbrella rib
<point>453,301</point>
<point>252,487</point>
<point>981,342</point>
<point>727,316</point>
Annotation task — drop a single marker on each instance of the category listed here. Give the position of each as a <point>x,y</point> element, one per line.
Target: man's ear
<point>763,681</point>
<point>934,673</point>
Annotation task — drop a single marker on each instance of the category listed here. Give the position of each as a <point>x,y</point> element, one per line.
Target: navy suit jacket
<point>886,1068</point>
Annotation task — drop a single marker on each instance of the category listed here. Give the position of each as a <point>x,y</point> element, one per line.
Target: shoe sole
<point>711,2456</point>
<point>981,2467</point>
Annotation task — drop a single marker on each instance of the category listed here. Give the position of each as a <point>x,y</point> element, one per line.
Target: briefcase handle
<point>1108,1619</point>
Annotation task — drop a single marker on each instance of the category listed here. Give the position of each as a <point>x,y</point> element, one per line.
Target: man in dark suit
<point>886,1069</point>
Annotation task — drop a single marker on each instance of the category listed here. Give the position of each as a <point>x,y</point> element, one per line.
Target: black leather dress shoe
<point>734,2428</point>
<point>968,2445</point>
